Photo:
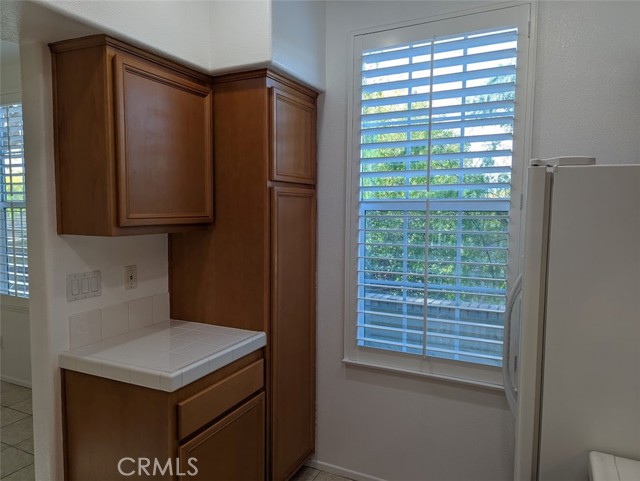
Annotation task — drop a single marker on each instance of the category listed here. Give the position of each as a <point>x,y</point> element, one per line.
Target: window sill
<point>12,303</point>
<point>435,377</point>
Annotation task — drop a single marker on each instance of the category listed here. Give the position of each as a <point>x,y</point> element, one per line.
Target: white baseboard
<point>339,471</point>
<point>13,380</point>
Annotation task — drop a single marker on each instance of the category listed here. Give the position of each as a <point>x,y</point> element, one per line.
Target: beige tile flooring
<point>310,474</point>
<point>16,433</point>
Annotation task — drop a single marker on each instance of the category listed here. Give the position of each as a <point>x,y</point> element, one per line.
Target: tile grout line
<point>27,416</point>
<point>20,449</point>
<point>16,471</point>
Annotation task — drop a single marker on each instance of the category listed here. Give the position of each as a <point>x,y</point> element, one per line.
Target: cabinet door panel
<point>293,149</point>
<point>164,146</point>
<point>230,450</point>
<point>293,213</point>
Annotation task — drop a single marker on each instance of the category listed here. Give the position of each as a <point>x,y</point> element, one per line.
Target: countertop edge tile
<point>128,367</point>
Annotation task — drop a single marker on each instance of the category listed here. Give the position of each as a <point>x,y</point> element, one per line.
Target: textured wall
<point>299,39</point>
<point>240,34</point>
<point>16,343</point>
<point>177,28</point>
<point>587,97</point>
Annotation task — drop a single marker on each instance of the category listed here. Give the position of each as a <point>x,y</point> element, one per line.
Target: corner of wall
<point>241,34</point>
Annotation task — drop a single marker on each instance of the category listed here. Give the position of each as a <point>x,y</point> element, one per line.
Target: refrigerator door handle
<point>509,362</point>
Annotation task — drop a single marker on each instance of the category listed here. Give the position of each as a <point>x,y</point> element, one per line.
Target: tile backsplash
<point>99,324</point>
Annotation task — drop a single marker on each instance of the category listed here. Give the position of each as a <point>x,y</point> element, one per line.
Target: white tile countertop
<point>164,356</point>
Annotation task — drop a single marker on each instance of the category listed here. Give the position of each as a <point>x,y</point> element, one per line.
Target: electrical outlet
<point>130,277</point>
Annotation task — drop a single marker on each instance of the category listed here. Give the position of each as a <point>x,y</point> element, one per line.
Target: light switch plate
<point>83,286</point>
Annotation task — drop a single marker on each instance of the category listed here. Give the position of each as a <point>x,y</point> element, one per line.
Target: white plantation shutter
<point>14,276</point>
<point>435,166</point>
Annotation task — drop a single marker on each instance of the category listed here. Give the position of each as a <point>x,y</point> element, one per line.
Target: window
<point>437,165</point>
<point>14,276</point>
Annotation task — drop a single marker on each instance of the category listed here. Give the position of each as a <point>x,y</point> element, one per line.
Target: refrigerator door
<point>591,366</point>
<point>510,344</point>
<point>531,324</point>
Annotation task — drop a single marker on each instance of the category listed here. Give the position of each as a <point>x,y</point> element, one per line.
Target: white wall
<point>15,346</point>
<point>9,72</point>
<point>587,102</point>
<point>299,39</point>
<point>241,34</point>
<point>587,98</point>
<point>227,34</point>
<point>178,29</point>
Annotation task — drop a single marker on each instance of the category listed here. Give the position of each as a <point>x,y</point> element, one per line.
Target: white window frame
<point>14,298</point>
<point>522,14</point>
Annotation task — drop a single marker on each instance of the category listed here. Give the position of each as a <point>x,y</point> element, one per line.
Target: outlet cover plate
<point>130,277</point>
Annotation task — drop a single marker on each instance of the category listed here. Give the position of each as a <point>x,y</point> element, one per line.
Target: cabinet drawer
<point>201,408</point>
<point>293,145</point>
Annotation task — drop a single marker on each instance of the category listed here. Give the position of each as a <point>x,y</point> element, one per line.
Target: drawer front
<point>205,406</point>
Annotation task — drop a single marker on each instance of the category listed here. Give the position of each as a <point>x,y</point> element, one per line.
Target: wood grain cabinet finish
<point>293,305</point>
<point>105,421</point>
<point>133,139</point>
<point>293,127</point>
<point>240,432</point>
<point>255,268</point>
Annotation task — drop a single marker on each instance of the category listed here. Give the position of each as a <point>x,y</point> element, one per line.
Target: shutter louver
<point>14,276</point>
<point>435,170</point>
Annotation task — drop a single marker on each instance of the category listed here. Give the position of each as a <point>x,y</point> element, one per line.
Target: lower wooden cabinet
<point>230,450</point>
<point>293,349</point>
<point>212,429</point>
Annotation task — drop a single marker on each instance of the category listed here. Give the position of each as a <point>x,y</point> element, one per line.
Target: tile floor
<point>310,474</point>
<point>16,433</point>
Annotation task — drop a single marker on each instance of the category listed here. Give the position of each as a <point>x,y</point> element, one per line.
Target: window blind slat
<point>468,110</point>
<point>460,156</point>
<point>450,123</point>
<point>444,141</point>
<point>410,174</point>
<point>392,101</point>
<point>503,54</point>
<point>441,46</point>
<point>439,79</point>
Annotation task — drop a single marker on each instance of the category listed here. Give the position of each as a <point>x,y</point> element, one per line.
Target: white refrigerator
<point>572,333</point>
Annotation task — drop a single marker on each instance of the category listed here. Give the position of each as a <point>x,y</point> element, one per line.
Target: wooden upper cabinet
<point>293,145</point>
<point>164,149</point>
<point>133,136</point>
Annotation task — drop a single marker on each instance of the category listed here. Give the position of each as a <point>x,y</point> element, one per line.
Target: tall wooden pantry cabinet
<point>255,267</point>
